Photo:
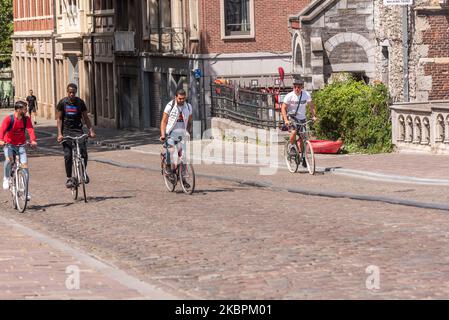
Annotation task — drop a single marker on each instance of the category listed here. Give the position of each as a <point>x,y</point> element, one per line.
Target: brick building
<point>33,52</point>
<point>159,44</point>
<point>129,57</point>
<point>246,40</point>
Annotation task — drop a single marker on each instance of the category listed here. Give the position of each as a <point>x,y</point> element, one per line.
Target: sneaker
<point>168,170</point>
<point>304,163</point>
<point>69,183</point>
<point>186,184</point>
<point>35,122</point>
<point>291,149</point>
<point>5,184</point>
<point>87,180</point>
<point>29,196</point>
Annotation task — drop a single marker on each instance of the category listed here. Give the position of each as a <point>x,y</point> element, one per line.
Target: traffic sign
<point>398,2</point>
<point>197,73</point>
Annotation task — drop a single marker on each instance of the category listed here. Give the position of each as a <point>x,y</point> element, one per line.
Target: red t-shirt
<point>16,135</point>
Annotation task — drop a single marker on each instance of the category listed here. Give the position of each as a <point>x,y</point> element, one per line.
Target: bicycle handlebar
<point>74,138</point>
<point>27,144</point>
<point>293,125</point>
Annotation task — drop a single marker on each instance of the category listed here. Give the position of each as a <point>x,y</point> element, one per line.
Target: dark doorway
<point>129,111</point>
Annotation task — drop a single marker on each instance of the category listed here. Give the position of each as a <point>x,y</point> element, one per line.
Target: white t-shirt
<point>291,100</point>
<point>184,113</point>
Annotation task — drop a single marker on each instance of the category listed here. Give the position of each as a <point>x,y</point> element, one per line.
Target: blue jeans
<point>9,153</point>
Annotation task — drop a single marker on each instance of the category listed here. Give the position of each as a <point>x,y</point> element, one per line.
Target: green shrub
<point>356,113</point>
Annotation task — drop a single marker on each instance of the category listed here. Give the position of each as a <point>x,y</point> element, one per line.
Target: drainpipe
<point>92,59</point>
<point>405,51</point>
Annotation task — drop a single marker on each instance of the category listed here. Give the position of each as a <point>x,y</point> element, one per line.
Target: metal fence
<point>248,107</point>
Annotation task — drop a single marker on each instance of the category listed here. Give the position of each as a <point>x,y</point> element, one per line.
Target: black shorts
<point>31,109</point>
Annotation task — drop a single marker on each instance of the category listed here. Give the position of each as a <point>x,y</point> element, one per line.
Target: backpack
<point>11,123</point>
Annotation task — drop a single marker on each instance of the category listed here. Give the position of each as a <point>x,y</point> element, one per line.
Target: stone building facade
<point>366,38</point>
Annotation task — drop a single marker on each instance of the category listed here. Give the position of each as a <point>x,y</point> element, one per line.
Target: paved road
<point>232,241</point>
<point>228,240</point>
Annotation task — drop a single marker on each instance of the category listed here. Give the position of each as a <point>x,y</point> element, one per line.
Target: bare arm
<point>59,125</point>
<point>189,124</point>
<point>88,124</point>
<point>312,107</point>
<point>164,122</point>
<point>284,113</point>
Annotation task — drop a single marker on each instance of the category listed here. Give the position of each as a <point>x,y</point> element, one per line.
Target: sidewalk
<point>34,266</point>
<point>416,167</point>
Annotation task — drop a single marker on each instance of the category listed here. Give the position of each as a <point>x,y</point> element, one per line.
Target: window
<point>238,18</point>
<point>103,5</point>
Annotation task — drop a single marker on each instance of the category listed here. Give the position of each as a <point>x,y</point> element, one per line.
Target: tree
<point>6,31</point>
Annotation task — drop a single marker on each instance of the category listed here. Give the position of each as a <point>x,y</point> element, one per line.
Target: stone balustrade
<point>421,126</point>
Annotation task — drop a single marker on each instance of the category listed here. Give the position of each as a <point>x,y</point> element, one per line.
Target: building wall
<point>428,53</point>
<point>271,27</point>
<point>33,15</point>
<point>33,53</point>
<point>436,66</point>
<point>333,37</point>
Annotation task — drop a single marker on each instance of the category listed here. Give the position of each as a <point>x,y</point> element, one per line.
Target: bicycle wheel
<point>310,157</point>
<point>291,157</point>
<point>187,175</point>
<point>21,191</point>
<point>12,189</point>
<point>170,179</point>
<point>75,181</point>
<point>82,178</point>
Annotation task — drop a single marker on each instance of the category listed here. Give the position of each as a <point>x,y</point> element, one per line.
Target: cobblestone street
<point>234,241</point>
<point>317,132</point>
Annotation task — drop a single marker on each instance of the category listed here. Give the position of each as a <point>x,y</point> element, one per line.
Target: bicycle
<point>18,182</point>
<point>302,150</point>
<point>182,172</point>
<point>79,176</point>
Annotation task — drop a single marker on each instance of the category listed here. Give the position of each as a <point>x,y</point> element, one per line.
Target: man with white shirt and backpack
<point>295,103</point>
<point>176,124</point>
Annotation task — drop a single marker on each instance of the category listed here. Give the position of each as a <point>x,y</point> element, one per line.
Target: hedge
<point>356,113</point>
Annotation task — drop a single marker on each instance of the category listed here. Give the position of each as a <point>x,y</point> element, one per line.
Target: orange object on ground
<point>326,146</point>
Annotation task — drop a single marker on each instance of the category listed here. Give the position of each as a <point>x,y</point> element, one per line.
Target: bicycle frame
<point>180,171</point>
<point>78,165</point>
<point>76,156</point>
<point>302,133</point>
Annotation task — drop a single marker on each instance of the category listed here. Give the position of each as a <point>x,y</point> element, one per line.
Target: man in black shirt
<point>32,106</point>
<point>70,113</point>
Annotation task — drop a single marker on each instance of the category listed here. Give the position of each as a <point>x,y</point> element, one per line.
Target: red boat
<point>326,146</point>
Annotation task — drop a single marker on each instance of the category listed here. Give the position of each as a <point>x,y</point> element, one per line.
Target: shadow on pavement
<point>50,205</point>
<point>101,199</point>
<point>106,140</point>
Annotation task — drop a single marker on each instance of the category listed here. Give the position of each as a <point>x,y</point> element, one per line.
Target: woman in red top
<point>15,135</point>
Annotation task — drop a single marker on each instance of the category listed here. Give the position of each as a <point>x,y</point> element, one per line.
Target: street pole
<point>405,50</point>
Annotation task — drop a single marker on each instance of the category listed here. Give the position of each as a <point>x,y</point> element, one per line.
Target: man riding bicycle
<point>12,137</point>
<point>295,103</point>
<point>71,110</point>
<point>176,123</point>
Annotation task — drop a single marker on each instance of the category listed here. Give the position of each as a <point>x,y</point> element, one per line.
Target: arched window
<point>298,58</point>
